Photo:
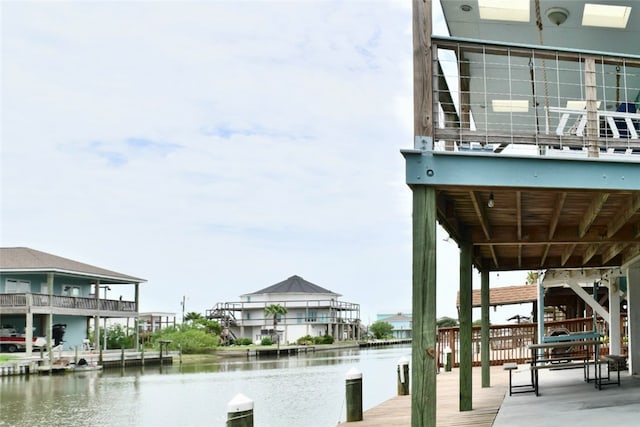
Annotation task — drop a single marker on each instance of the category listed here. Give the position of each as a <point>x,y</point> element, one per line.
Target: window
<point>299,316</point>
<point>312,316</point>
<point>13,286</point>
<point>248,315</point>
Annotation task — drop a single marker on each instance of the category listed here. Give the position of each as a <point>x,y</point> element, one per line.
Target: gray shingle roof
<point>294,284</point>
<point>28,260</point>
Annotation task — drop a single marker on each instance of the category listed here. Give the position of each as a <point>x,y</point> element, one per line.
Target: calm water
<point>302,391</point>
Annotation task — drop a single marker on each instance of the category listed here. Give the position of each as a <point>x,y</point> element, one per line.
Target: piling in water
<point>240,411</point>
<point>354,395</point>
<point>403,376</point>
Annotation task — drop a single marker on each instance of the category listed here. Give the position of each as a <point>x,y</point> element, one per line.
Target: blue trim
<point>478,170</point>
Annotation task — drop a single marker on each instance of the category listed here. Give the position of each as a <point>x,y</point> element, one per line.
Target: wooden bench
<point>617,361</point>
<point>520,388</point>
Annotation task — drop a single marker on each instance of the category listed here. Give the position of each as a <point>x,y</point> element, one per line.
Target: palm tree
<point>192,315</point>
<point>275,310</point>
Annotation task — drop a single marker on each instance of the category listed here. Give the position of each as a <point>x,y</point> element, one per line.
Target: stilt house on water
<point>45,295</point>
<point>310,310</point>
<point>527,152</point>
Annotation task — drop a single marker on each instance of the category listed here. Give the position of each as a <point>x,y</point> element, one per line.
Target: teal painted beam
<point>462,169</point>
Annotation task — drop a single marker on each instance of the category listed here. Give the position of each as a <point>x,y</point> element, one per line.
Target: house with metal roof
<point>310,310</point>
<point>45,295</point>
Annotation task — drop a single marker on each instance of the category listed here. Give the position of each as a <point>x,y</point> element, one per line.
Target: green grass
<point>6,358</point>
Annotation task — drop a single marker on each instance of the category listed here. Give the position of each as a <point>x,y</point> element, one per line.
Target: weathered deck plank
<point>396,412</point>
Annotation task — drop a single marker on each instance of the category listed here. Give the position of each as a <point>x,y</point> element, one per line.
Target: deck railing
<point>19,301</point>
<point>509,343</point>
<point>490,97</point>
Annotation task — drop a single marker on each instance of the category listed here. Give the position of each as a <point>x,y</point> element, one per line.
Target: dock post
<point>403,376</point>
<point>447,355</point>
<point>354,395</point>
<point>240,411</point>
<point>122,357</point>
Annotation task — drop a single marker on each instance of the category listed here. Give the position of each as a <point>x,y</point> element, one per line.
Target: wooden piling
<point>403,376</point>
<point>240,411</point>
<point>354,395</point>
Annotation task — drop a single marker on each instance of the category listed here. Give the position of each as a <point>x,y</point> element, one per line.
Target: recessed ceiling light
<point>501,10</point>
<point>510,106</point>
<point>601,15</point>
<point>465,8</point>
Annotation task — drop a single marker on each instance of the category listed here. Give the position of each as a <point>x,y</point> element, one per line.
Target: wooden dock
<point>396,412</point>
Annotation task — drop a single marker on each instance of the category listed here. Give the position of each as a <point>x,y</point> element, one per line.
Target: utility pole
<point>182,303</point>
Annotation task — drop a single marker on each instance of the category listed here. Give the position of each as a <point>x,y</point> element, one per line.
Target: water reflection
<point>305,390</point>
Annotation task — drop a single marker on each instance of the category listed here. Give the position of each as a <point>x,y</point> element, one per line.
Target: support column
<point>591,98</point>
<point>96,318</point>
<point>540,309</point>
<point>484,303</point>
<point>49,318</point>
<point>137,302</point>
<point>28,330</point>
<point>633,319</point>
<point>466,323</point>
<point>423,374</point>
<point>614,317</point>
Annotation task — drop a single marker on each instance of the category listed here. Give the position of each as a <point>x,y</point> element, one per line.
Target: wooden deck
<point>486,403</point>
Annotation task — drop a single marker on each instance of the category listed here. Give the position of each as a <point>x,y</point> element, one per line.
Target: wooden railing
<point>509,343</point>
<point>59,301</point>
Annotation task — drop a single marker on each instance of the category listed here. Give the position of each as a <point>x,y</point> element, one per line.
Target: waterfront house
<point>58,298</point>
<point>401,323</point>
<point>526,150</point>
<point>311,310</point>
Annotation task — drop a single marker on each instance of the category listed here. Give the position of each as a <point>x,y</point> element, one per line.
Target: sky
<point>215,148</point>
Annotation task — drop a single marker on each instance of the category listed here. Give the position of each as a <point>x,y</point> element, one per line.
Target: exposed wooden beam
<point>481,213</point>
<point>591,213</point>
<point>633,206</point>
<point>567,253</point>
<point>592,249</point>
<point>544,255</point>
<point>494,256</point>
<point>520,255</point>
<point>613,250</point>
<point>519,214</point>
<point>555,215</point>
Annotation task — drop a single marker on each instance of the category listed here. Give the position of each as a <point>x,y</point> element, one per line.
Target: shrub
<point>266,341</point>
<point>243,341</point>
<point>190,340</point>
<point>325,339</point>
<point>305,340</point>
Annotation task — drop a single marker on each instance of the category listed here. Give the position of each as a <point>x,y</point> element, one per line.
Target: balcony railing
<point>22,301</point>
<point>495,97</point>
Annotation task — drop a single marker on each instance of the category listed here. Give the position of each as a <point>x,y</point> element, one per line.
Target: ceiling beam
<point>544,255</point>
<point>591,213</point>
<point>494,256</point>
<point>567,253</point>
<point>555,215</point>
<point>592,249</point>
<point>613,250</point>
<point>481,213</point>
<point>632,206</point>
<point>519,214</point>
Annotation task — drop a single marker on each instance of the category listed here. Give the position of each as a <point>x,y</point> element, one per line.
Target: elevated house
<point>311,310</point>
<point>45,295</point>
<point>401,323</point>
<point>526,150</point>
